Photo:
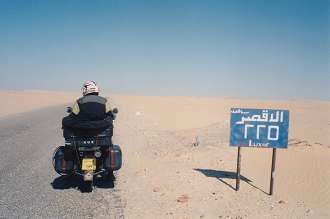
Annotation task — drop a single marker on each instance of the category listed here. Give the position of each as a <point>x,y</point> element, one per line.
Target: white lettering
<point>269,133</point>
<point>246,126</point>
<point>258,130</point>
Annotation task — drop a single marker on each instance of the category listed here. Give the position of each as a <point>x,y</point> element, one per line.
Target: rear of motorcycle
<point>87,157</point>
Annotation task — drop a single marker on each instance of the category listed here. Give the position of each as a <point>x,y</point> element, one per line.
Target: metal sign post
<point>263,128</point>
<point>238,172</point>
<point>272,175</point>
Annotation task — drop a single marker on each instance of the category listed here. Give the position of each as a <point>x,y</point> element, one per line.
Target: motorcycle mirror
<point>115,110</point>
<point>69,109</point>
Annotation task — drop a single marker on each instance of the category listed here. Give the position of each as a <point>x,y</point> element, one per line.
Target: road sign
<point>259,128</point>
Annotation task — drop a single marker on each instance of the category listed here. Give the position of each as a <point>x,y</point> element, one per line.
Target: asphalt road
<point>30,188</point>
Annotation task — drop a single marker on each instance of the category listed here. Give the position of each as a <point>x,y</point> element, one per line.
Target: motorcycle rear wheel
<point>88,186</point>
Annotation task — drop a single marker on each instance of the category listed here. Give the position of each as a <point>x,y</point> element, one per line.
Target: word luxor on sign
<point>259,128</point>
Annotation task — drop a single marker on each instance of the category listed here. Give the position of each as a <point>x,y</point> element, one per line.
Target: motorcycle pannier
<point>62,166</point>
<point>113,158</point>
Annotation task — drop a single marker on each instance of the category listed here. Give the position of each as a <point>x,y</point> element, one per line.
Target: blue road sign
<point>259,128</point>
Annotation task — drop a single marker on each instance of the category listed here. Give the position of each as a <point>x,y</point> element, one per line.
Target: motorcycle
<point>88,155</point>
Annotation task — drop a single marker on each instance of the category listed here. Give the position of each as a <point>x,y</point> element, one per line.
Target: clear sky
<point>257,48</point>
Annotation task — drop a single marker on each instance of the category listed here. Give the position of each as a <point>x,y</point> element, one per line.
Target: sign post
<point>264,128</point>
<point>238,171</point>
<point>272,174</point>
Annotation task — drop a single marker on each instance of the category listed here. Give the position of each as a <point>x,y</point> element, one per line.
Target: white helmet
<point>89,87</point>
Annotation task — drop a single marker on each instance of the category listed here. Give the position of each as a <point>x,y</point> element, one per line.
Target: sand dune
<point>166,175</point>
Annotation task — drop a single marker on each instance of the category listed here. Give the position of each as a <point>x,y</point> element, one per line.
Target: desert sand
<point>165,174</point>
<point>24,101</point>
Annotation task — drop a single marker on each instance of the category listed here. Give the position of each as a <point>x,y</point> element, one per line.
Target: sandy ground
<point>165,176</point>
<point>23,101</point>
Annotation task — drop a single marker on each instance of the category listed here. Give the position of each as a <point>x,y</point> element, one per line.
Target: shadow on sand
<point>76,182</point>
<point>220,175</point>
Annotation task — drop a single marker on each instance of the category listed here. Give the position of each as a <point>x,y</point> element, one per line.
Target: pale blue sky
<point>258,48</point>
